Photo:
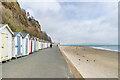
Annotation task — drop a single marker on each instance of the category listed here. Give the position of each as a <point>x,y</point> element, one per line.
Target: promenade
<point>46,63</point>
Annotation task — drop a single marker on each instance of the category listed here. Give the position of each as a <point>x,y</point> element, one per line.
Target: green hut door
<point>26,46</point>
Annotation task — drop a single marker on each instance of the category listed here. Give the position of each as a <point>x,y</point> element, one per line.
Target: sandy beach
<point>92,63</point>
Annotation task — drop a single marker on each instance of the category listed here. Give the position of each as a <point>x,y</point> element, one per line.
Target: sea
<point>104,47</point>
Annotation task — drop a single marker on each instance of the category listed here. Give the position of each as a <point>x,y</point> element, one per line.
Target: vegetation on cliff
<point>18,20</point>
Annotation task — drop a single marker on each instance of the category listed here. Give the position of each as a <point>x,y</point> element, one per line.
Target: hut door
<point>26,46</point>
<point>42,44</point>
<point>4,46</point>
<point>35,45</point>
<point>18,46</point>
<point>31,45</point>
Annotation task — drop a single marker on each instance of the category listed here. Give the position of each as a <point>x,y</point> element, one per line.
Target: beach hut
<point>45,44</point>
<point>17,44</point>
<point>5,42</point>
<point>31,44</point>
<point>48,45</point>
<point>26,44</point>
<point>42,44</point>
<point>35,44</point>
<point>38,44</point>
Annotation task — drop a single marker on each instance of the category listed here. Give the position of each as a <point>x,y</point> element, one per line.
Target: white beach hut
<point>48,44</point>
<point>17,44</point>
<point>35,44</point>
<point>26,43</point>
<point>45,44</point>
<point>5,42</point>
<point>41,44</point>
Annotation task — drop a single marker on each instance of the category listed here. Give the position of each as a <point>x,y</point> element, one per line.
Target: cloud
<point>65,0</point>
<point>77,23</point>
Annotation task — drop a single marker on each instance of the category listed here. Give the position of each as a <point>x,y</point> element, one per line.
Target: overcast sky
<point>77,22</point>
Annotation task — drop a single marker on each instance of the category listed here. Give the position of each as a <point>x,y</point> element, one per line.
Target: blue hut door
<point>35,45</point>
<point>26,46</point>
<point>18,45</point>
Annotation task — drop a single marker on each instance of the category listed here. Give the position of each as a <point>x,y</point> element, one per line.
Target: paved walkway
<point>47,63</point>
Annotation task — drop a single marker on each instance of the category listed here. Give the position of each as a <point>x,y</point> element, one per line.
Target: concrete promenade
<point>47,63</point>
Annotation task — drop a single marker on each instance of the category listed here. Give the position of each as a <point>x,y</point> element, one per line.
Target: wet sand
<point>92,63</point>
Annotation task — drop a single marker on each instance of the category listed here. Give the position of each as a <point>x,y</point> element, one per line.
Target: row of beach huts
<point>16,44</point>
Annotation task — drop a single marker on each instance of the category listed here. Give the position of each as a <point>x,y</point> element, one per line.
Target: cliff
<point>18,20</point>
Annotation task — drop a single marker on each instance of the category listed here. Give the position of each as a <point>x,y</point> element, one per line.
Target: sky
<point>77,22</point>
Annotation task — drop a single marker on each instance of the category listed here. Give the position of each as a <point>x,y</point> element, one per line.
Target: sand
<point>92,63</point>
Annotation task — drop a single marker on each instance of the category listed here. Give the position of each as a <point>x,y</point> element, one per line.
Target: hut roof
<point>31,37</point>
<point>17,33</point>
<point>35,38</point>
<point>24,35</point>
<point>41,40</point>
<point>2,26</point>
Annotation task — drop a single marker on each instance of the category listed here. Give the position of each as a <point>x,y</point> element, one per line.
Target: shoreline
<point>91,62</point>
<point>106,49</point>
<point>101,48</point>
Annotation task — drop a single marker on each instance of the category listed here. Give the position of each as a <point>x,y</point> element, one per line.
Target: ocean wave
<point>105,49</point>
